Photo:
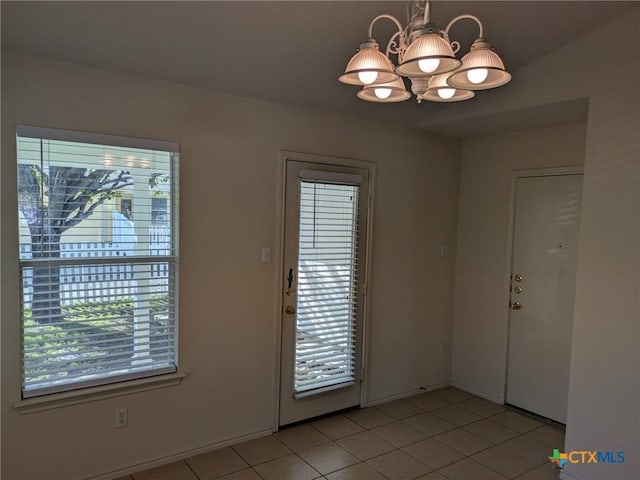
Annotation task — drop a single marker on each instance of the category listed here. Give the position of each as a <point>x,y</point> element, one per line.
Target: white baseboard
<point>485,395</point>
<point>400,396</point>
<point>122,472</point>
<point>436,386</point>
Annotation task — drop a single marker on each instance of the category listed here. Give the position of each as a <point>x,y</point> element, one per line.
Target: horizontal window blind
<point>98,259</point>
<point>327,300</point>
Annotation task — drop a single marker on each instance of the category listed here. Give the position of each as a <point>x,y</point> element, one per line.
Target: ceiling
<point>289,52</point>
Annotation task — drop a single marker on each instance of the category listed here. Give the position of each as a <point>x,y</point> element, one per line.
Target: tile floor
<point>446,434</point>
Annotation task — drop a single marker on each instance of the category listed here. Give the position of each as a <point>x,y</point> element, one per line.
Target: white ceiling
<point>289,52</point>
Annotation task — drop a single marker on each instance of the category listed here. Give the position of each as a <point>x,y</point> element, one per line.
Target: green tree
<point>52,201</point>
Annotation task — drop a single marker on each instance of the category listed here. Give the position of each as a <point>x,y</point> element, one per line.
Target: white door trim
<point>284,157</point>
<point>515,175</point>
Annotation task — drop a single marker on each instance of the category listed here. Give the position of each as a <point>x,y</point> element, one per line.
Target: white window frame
<point>136,381</point>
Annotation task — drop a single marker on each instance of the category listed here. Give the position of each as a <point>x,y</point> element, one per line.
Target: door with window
<point>326,219</point>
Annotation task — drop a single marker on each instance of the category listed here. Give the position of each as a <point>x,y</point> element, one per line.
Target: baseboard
<point>435,386</point>
<point>400,396</point>
<point>431,388</point>
<point>177,456</point>
<point>478,393</point>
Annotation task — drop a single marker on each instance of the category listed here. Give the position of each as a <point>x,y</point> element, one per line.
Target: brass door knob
<point>518,278</point>
<point>290,309</point>
<point>516,305</point>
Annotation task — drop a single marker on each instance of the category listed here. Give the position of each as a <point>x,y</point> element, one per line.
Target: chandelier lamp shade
<point>438,90</point>
<point>430,54</point>
<point>369,65</point>
<point>385,92</point>
<point>481,69</point>
<point>427,58</point>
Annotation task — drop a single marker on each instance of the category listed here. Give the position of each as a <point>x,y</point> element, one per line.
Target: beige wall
<point>229,174</point>
<point>480,321</point>
<point>604,390</point>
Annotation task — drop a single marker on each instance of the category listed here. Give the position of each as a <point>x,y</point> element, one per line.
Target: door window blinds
<point>98,254</point>
<point>327,267</point>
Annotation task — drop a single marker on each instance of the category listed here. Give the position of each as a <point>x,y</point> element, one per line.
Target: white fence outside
<point>102,282</point>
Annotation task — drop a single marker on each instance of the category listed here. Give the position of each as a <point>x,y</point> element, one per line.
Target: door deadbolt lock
<point>290,309</point>
<point>518,278</point>
<point>516,305</point>
<point>518,289</point>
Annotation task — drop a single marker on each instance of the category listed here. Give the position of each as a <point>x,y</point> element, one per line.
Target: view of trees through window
<point>97,258</point>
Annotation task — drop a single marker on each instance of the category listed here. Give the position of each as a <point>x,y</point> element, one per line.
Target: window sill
<point>66,399</point>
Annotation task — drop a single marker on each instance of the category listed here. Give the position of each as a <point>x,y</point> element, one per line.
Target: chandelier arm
<point>388,17</point>
<point>396,48</point>
<point>461,17</point>
<point>427,11</point>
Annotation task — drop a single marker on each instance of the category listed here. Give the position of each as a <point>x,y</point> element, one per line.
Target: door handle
<point>290,309</point>
<point>289,290</point>
<point>290,278</point>
<point>516,306</point>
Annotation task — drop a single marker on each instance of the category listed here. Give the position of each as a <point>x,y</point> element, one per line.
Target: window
<point>126,207</point>
<point>159,211</point>
<point>327,297</point>
<point>99,281</point>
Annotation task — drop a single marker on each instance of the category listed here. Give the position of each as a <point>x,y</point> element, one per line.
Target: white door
<point>322,296</point>
<point>545,241</point>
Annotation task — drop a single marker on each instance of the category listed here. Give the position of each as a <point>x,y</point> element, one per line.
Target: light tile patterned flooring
<point>446,434</point>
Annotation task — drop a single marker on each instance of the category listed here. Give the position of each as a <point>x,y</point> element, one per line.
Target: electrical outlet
<point>443,350</point>
<point>122,418</point>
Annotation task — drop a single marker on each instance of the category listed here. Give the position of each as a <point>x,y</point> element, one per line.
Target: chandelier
<point>427,57</point>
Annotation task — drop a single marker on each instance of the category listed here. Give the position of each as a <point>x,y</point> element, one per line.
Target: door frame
<point>290,156</point>
<point>515,175</point>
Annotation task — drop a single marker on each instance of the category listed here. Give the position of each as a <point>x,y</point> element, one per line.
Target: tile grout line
<point>461,427</point>
<point>192,470</point>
